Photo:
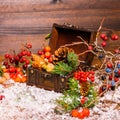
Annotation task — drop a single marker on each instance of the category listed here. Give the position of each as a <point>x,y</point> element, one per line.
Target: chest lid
<point>67,34</point>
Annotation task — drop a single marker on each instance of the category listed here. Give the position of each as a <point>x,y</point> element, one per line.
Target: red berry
<point>7,66</point>
<point>81,115</point>
<point>28,45</point>
<point>50,60</point>
<point>16,58</point>
<point>103,44</point>
<point>74,113</point>
<point>47,55</point>
<point>20,55</point>
<point>28,53</point>
<point>5,63</point>
<point>109,65</point>
<point>24,52</point>
<point>110,77</point>
<point>11,69</point>
<point>27,62</point>
<point>82,100</point>
<point>39,52</point>
<point>103,36</point>
<point>116,79</point>
<point>86,112</point>
<point>119,72</point>
<point>114,37</point>
<point>47,49</point>
<point>1,97</point>
<point>11,60</point>
<point>116,51</point>
<point>90,47</point>
<point>25,66</point>
<point>7,55</point>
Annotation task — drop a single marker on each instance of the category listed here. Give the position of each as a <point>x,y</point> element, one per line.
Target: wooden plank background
<point>24,21</point>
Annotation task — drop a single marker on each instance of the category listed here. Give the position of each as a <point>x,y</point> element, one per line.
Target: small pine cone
<point>84,88</point>
<point>61,54</point>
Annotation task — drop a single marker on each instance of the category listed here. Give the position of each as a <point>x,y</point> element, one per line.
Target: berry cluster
<point>84,76</point>
<point>16,74</point>
<point>112,76</point>
<point>105,37</point>
<point>80,114</point>
<point>17,63</point>
<point>21,59</point>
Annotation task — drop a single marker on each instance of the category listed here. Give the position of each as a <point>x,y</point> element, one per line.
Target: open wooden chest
<point>61,35</point>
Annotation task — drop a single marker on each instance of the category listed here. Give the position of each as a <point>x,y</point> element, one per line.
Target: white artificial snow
<point>23,102</point>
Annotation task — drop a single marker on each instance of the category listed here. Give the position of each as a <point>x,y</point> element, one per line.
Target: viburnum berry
<point>116,51</point>
<point>86,112</point>
<point>105,38</point>
<point>103,35</point>
<point>7,55</point>
<point>103,44</point>
<point>74,113</point>
<point>82,100</point>
<point>110,77</point>
<point>2,97</point>
<point>28,45</point>
<point>28,53</point>
<point>114,37</point>
<point>90,47</point>
<point>109,65</point>
<point>81,115</point>
<point>116,79</point>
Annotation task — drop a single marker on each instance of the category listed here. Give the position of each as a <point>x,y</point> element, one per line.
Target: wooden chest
<point>61,35</point>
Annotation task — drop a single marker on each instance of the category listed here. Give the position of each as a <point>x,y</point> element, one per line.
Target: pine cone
<point>61,54</point>
<point>84,88</point>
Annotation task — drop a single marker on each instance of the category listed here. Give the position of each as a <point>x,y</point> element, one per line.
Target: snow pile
<point>23,102</point>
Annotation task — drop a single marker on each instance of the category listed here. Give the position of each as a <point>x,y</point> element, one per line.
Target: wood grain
<point>30,20</point>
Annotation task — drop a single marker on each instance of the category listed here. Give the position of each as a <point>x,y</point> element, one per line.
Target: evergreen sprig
<point>72,59</point>
<point>62,68</point>
<point>70,99</point>
<point>92,97</point>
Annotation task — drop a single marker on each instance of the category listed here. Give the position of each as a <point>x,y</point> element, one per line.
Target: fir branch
<point>62,68</point>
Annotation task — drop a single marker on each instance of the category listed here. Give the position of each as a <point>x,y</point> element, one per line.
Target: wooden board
<point>30,20</point>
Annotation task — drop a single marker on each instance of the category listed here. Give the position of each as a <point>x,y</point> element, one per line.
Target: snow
<point>23,102</point>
